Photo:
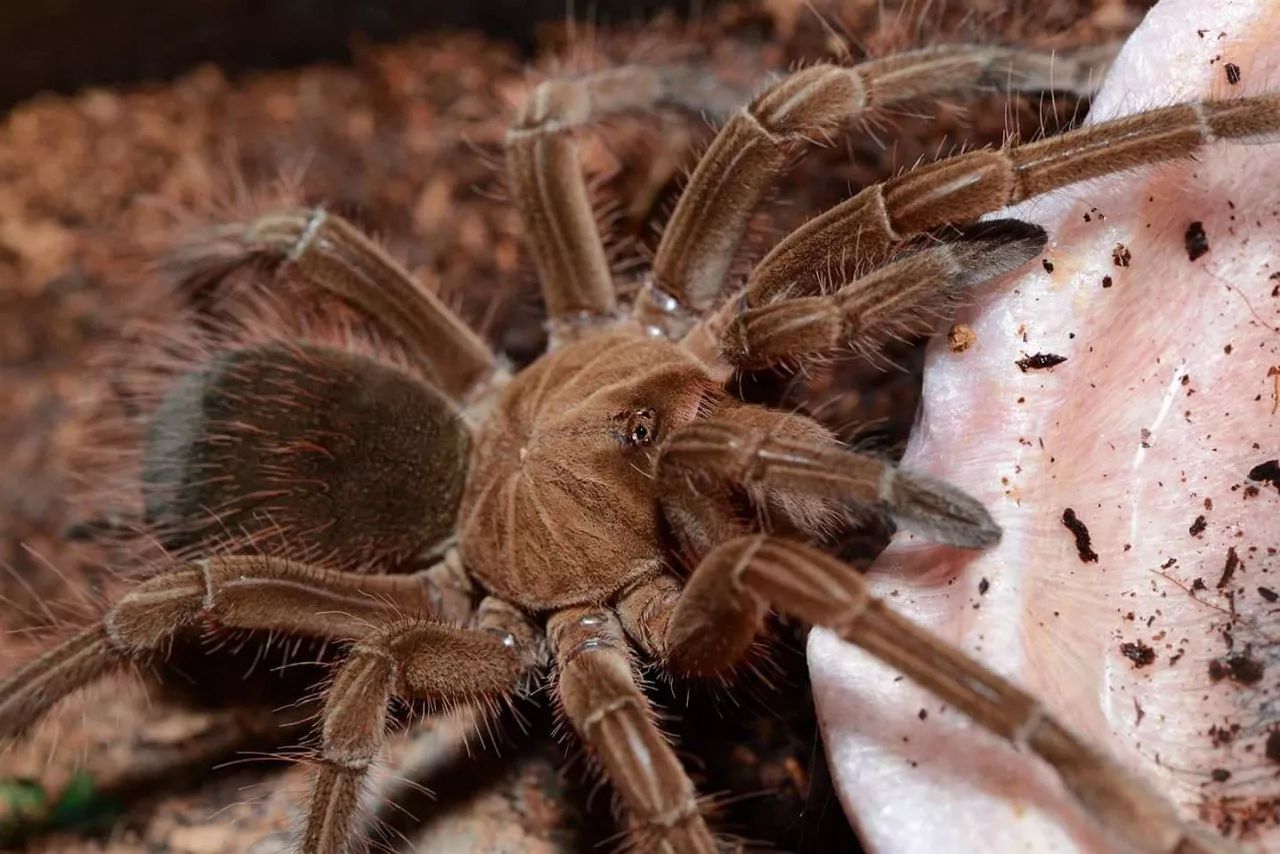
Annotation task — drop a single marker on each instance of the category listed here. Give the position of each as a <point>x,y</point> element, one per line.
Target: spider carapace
<point>561,505</point>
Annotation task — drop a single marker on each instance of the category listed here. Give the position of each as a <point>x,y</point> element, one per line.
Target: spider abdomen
<point>327,454</point>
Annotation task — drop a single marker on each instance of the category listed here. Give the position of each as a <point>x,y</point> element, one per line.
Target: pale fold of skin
<point>1116,434</point>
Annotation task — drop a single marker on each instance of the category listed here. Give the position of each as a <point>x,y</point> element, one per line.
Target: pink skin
<point>1116,434</point>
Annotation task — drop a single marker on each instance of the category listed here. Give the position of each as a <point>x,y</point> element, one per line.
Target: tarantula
<point>566,502</point>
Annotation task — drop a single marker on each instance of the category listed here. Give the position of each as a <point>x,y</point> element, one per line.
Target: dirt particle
<point>1245,669</point>
<point>1196,241</point>
<point>1241,668</point>
<point>1198,526</point>
<point>1039,361</point>
<point>1048,265</point>
<point>1273,746</point>
<point>1199,584</point>
<point>1268,594</point>
<point>1084,543</point>
<point>1121,256</point>
<point>1229,568</point>
<point>1106,281</point>
<point>1268,472</point>
<point>1233,73</point>
<point>922,714</point>
<point>983,587</point>
<point>960,338</point>
<point>1139,653</point>
<point>1220,775</point>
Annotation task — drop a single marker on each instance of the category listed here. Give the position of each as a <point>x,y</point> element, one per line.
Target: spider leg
<point>409,659</point>
<point>755,146</point>
<point>789,455</point>
<point>964,187</point>
<point>906,296</point>
<point>550,189</point>
<point>872,224</point>
<point>238,592</point>
<point>600,697</point>
<point>332,254</point>
<point>705,630</point>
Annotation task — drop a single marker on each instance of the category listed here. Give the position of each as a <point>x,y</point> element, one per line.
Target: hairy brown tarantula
<point>614,498</point>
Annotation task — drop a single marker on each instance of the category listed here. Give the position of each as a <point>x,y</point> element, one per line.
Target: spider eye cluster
<point>641,428</point>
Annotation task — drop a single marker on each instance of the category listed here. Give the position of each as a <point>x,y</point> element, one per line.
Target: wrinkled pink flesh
<point>1161,410</point>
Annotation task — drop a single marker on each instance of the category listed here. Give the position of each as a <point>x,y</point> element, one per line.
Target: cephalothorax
<point>614,498</point>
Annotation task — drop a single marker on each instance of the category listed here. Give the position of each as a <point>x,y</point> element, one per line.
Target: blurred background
<point>123,124</point>
<point>64,45</point>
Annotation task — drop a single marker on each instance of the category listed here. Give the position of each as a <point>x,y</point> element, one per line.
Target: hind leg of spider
<point>259,593</point>
<point>600,697</point>
<point>755,146</point>
<point>410,660</point>
<point>333,255</point>
<point>705,629</point>
<point>550,189</point>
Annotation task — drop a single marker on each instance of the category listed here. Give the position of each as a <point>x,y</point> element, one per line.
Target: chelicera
<point>614,499</point>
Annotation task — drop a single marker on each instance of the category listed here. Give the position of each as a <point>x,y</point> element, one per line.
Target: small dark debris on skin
<point>1220,775</point>
<point>1198,526</point>
<point>1268,472</point>
<point>1241,668</point>
<point>1233,73</point>
<point>1268,594</point>
<point>1273,745</point>
<point>922,714</point>
<point>1106,281</point>
<point>1139,653</point>
<point>1039,361</point>
<point>1048,265</point>
<point>1121,256</point>
<point>1197,242</point>
<point>1084,543</point>
<point>1199,584</point>
<point>1229,569</point>
<point>984,586</point>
